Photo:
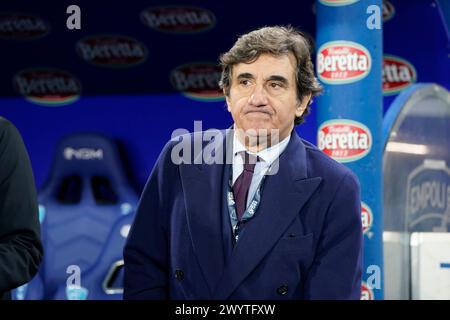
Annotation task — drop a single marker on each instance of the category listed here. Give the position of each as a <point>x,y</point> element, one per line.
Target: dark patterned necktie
<point>242,184</point>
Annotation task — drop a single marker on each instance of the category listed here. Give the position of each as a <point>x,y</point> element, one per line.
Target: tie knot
<point>249,161</point>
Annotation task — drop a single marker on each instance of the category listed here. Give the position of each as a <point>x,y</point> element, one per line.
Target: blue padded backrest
<point>86,207</point>
<point>103,281</point>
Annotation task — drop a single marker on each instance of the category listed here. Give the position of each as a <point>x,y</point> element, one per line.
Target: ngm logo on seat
<point>83,154</point>
<point>336,3</point>
<point>341,62</point>
<point>344,140</point>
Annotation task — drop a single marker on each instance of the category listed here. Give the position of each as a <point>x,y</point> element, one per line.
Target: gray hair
<point>277,41</point>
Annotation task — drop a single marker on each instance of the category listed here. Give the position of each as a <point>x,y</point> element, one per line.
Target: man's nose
<point>258,96</point>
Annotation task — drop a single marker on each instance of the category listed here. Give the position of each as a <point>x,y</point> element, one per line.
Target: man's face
<point>263,95</point>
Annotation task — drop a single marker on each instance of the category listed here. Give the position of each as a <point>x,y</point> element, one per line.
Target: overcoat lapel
<point>203,191</point>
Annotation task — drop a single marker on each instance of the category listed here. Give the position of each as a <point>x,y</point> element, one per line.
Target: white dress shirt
<point>266,158</point>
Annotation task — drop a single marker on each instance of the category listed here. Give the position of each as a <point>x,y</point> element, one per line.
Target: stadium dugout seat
<point>86,210</point>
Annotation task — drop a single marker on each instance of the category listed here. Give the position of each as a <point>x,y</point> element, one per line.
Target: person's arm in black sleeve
<point>20,246</point>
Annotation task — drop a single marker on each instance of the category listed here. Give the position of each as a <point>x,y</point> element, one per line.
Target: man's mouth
<point>258,111</point>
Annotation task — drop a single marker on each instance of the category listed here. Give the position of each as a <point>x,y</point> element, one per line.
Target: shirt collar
<point>268,155</point>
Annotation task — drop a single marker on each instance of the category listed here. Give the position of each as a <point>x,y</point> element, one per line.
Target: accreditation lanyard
<point>249,212</point>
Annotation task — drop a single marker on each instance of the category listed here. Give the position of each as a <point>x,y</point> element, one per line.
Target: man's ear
<point>301,106</point>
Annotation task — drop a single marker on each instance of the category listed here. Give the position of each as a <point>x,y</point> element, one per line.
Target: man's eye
<point>245,82</point>
<point>276,85</point>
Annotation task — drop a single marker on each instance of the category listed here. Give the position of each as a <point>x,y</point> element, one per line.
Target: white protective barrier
<point>430,266</point>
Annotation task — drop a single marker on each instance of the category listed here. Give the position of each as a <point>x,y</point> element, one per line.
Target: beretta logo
<point>22,26</point>
<point>388,10</point>
<point>398,74</point>
<point>366,219</point>
<point>344,140</point>
<point>366,292</point>
<point>199,81</point>
<point>335,3</point>
<point>178,19</point>
<point>47,87</point>
<point>340,62</point>
<point>111,50</point>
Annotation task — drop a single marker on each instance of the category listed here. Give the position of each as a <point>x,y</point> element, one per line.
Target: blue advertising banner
<point>349,64</point>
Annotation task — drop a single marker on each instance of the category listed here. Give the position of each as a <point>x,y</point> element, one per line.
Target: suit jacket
<point>20,245</point>
<point>304,242</point>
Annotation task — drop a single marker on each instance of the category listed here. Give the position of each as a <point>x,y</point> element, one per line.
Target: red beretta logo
<point>366,292</point>
<point>111,51</point>
<point>366,219</point>
<point>199,81</point>
<point>344,140</point>
<point>178,19</point>
<point>47,87</point>
<point>388,10</point>
<point>398,74</point>
<point>340,62</point>
<point>22,26</point>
